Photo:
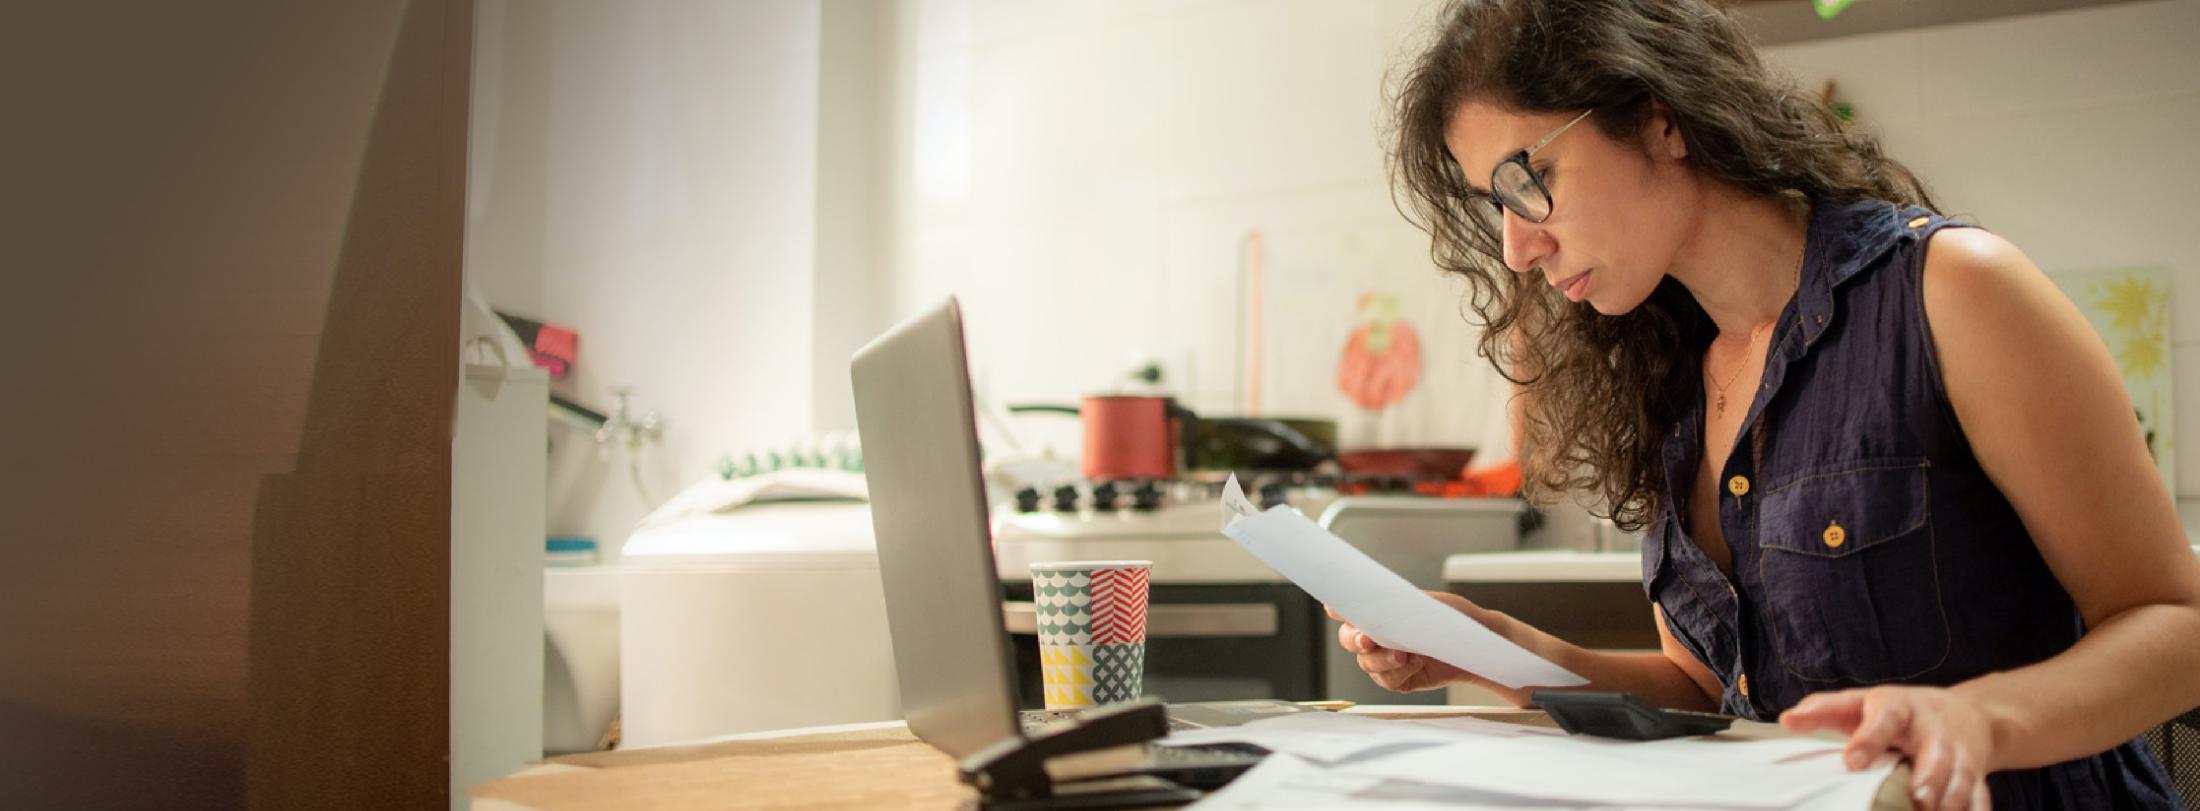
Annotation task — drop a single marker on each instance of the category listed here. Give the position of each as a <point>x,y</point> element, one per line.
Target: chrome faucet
<point>622,423</point>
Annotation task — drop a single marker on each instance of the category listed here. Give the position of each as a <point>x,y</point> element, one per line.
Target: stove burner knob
<point>1027,500</point>
<point>1065,498</point>
<point>1103,496</point>
<point>1146,497</point>
<point>1271,494</point>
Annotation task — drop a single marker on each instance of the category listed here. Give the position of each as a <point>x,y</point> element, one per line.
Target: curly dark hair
<point>1601,392</point>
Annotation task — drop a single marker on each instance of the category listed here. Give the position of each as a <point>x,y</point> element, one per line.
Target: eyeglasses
<point>1515,185</point>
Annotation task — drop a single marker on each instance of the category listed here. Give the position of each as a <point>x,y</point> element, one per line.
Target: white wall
<point>2069,133</point>
<point>646,172</point>
<point>1083,174</point>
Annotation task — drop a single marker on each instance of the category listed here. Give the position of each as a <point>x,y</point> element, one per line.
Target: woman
<point>1888,479</point>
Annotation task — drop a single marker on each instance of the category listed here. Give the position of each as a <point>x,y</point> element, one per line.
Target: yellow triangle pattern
<point>1060,697</point>
<point>1066,673</point>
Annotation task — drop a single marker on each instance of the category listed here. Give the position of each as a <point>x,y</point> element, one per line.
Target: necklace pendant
<point>1722,404</point>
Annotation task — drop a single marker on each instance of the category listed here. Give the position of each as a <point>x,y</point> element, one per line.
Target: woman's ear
<point>1661,135</point>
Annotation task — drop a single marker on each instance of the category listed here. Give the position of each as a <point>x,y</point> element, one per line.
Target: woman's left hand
<point>1947,735</point>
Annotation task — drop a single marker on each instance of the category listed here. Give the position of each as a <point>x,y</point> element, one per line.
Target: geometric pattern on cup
<point>1118,606</point>
<point>1117,672</point>
<point>1063,602</point>
<point>1066,673</point>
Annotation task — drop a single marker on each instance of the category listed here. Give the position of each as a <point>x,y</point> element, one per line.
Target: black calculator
<point>1624,716</point>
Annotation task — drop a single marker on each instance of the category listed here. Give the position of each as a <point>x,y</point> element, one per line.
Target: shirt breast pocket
<point>1851,580</point>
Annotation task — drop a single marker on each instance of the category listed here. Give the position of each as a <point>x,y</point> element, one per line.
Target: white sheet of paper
<point>1324,737</point>
<point>1375,599</point>
<point>1342,761</point>
<point>1727,772</point>
<point>1282,780</point>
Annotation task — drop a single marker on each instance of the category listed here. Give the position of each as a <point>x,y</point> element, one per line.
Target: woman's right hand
<point>1403,672</point>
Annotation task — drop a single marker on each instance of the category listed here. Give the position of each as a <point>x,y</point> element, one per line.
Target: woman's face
<point>1619,213</point>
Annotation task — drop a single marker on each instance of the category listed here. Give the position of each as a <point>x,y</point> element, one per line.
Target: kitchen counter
<point>1544,566</point>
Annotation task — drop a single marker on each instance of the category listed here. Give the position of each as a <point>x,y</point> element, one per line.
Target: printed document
<point>1375,599</point>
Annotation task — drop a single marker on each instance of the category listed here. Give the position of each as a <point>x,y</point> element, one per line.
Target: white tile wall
<point>2069,133</point>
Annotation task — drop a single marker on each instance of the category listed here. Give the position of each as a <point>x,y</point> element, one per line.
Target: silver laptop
<point>943,599</point>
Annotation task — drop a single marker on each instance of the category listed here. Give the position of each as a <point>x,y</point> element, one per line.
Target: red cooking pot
<point>1128,436</point>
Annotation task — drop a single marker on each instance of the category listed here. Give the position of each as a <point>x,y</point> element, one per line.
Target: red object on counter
<point>1416,463</point>
<point>1495,480</point>
<point>1130,437</point>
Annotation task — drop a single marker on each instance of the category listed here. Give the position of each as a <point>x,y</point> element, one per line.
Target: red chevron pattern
<point>1119,606</point>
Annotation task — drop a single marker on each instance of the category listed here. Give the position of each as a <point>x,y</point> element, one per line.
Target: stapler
<point>1012,775</point>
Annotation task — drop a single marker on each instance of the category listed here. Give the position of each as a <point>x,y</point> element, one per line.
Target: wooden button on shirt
<point>1834,535</point>
<point>1737,485</point>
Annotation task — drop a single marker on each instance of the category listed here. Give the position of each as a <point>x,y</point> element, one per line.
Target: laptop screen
<point>935,553</point>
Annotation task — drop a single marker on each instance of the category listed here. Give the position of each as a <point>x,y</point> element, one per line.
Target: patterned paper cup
<point>1092,630</point>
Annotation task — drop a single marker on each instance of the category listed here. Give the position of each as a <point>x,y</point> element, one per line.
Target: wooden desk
<point>866,766</point>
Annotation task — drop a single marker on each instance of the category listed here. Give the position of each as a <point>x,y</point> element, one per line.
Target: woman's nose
<point>1526,243</point>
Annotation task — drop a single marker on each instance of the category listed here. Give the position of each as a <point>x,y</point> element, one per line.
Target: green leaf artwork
<point>2130,308</point>
<point>1828,8</point>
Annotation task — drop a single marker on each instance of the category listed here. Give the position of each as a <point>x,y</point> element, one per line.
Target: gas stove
<point>1177,525</point>
<point>1268,488</point>
<point>1404,523</point>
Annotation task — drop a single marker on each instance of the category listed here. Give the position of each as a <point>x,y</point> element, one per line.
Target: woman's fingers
<point>1349,636</point>
<point>1840,712</point>
<point>1962,784</point>
<point>1945,735</point>
<point>1884,721</point>
<point>1930,771</point>
<point>1394,670</point>
<point>1353,640</point>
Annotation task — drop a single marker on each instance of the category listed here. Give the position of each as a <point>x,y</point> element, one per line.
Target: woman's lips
<point>1576,287</point>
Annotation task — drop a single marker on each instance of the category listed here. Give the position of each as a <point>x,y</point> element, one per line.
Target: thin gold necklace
<point>1744,364</point>
<point>1753,335</point>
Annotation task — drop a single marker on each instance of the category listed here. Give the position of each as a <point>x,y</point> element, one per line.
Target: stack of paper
<point>1325,760</point>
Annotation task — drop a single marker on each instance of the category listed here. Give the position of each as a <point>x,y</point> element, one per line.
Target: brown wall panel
<point>184,182</point>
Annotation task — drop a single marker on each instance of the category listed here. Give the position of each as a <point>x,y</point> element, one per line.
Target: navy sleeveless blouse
<point>1868,545</point>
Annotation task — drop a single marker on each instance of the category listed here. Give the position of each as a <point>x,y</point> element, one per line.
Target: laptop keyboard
<point>1203,754</point>
<point>1035,721</point>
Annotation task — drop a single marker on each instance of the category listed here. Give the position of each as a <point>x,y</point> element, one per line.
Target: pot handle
<point>1291,436</point>
<point>1187,433</point>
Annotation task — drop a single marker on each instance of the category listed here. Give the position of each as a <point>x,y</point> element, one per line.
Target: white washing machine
<point>767,617</point>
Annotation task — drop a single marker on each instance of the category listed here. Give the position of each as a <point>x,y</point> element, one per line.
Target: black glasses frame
<point>1500,199</point>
